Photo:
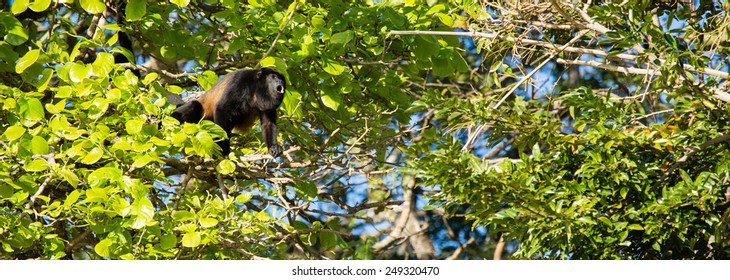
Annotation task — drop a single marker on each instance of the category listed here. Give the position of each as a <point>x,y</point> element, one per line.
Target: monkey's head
<point>274,82</point>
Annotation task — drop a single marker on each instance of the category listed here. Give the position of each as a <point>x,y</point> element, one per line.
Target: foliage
<point>581,131</point>
<point>628,161</point>
<point>93,166</point>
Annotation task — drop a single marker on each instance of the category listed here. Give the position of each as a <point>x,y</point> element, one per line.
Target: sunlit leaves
<point>31,108</point>
<point>19,6</point>
<point>168,241</point>
<point>40,5</point>
<point>15,33</point>
<point>136,9</point>
<point>291,103</point>
<point>332,100</point>
<point>13,132</point>
<point>275,62</point>
<point>36,165</point>
<point>69,176</point>
<point>114,162</point>
<point>102,248</point>
<point>342,38</point>
<point>226,167</point>
<point>332,67</point>
<point>244,197</point>
<point>181,3</point>
<point>93,6</point>
<point>142,211</point>
<point>208,222</point>
<point>102,176</point>
<point>207,79</point>
<point>79,71</point>
<point>92,156</point>
<point>205,145</point>
<point>27,60</point>
<point>134,126</point>
<point>39,145</point>
<point>191,239</point>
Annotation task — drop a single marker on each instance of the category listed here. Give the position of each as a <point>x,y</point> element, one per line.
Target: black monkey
<point>236,100</point>
<point>122,38</point>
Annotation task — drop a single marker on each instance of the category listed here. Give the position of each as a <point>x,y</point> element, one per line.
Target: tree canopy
<point>411,130</point>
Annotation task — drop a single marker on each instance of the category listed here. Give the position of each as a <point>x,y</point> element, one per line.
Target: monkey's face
<point>276,86</point>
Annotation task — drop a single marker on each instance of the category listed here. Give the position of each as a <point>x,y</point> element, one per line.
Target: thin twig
<point>51,159</point>
<point>281,30</point>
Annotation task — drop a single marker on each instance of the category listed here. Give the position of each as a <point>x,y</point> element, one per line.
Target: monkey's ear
<point>258,74</point>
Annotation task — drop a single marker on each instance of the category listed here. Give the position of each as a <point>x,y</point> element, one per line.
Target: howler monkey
<point>236,100</point>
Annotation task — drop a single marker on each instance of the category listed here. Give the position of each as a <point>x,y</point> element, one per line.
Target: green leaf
<point>102,248</point>
<point>93,6</point>
<point>623,192</point>
<point>93,156</point>
<point>96,195</point>
<point>14,132</point>
<point>332,67</point>
<point>446,19</point>
<point>32,109</point>
<point>15,33</point>
<point>134,126</point>
<point>292,98</point>
<point>181,4</point>
<point>27,60</point>
<point>191,239</point>
<point>635,227</point>
<point>142,161</point>
<point>342,37</point>
<point>331,100</point>
<point>72,198</point>
<point>149,78</point>
<point>208,222</point>
<point>144,211</point>
<point>40,5</point>
<point>103,64</point>
<point>19,6</point>
<point>328,240</point>
<point>39,146</point>
<point>226,167</point>
<point>100,177</point>
<point>605,220</point>
<point>36,165</point>
<point>6,191</point>
<point>244,197</point>
<point>42,83</point>
<point>268,61</point>
<point>136,9</point>
<point>69,176</point>
<point>182,216</point>
<point>79,72</point>
<point>207,79</point>
<point>204,144</point>
<point>168,241</point>
<point>263,216</point>
<point>275,62</point>
<point>306,189</point>
<point>425,47</point>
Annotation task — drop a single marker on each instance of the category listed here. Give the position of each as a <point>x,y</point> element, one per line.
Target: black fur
<point>189,111</point>
<point>122,38</point>
<point>236,100</point>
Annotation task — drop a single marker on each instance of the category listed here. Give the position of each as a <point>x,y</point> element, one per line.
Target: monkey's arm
<point>269,131</point>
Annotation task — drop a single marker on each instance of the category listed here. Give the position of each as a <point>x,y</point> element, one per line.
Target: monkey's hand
<point>275,150</point>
